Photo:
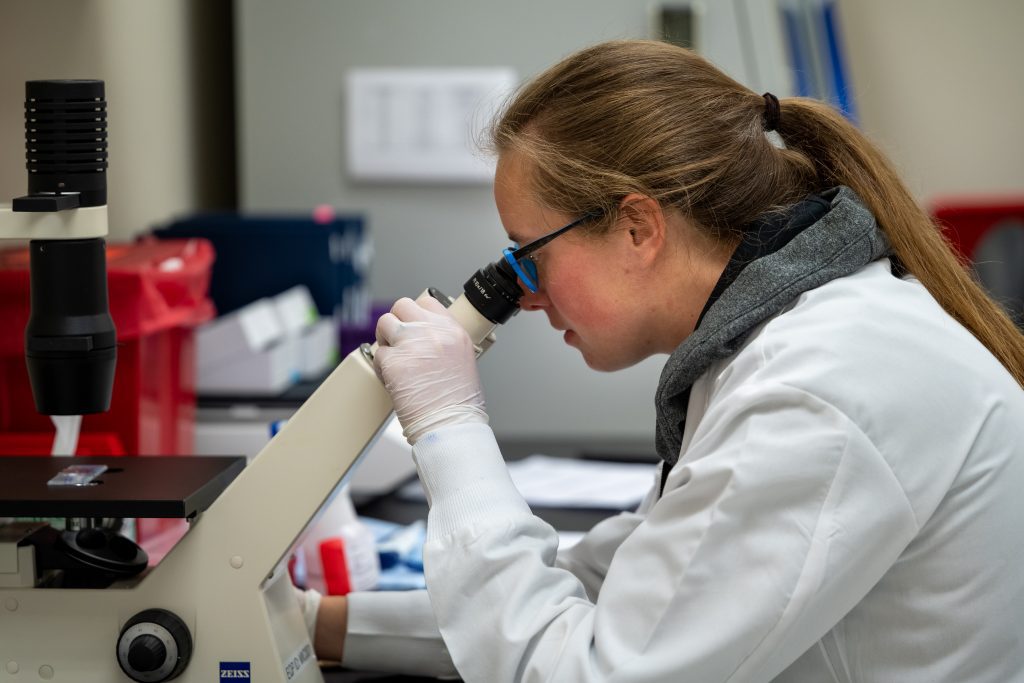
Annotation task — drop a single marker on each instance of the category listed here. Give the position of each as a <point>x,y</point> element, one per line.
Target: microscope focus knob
<point>147,653</point>
<point>155,645</point>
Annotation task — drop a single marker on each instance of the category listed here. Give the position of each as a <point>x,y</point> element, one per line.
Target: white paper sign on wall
<point>422,125</point>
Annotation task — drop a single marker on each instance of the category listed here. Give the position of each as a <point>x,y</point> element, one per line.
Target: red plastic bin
<point>968,221</point>
<point>989,234</point>
<point>158,295</point>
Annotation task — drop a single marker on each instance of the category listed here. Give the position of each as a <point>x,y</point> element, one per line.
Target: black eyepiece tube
<point>494,291</point>
<point>70,341</point>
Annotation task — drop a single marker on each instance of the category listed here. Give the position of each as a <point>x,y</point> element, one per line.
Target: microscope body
<point>220,605</point>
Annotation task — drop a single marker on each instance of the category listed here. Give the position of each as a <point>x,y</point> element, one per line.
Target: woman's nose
<point>533,301</point>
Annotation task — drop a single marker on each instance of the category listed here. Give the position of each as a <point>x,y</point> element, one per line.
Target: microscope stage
<point>132,486</point>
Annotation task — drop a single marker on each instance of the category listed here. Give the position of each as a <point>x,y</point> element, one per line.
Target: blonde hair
<point>659,120</point>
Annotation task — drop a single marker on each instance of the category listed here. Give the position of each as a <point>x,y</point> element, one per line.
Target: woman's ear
<point>644,220</point>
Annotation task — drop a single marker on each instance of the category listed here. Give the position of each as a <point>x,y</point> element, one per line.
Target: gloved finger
<point>389,329</point>
<point>309,604</point>
<point>424,309</point>
<point>408,310</point>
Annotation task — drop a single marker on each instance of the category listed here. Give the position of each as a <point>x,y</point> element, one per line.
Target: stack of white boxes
<point>264,347</point>
<point>316,337</point>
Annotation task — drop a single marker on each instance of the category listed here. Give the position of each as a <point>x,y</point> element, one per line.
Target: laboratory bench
<point>334,674</point>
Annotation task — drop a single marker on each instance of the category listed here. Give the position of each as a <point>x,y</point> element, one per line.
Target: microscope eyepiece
<point>494,291</point>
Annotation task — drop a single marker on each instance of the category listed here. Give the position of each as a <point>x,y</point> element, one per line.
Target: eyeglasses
<point>521,259</point>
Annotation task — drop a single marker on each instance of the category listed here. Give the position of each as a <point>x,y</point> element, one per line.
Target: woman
<point>840,419</point>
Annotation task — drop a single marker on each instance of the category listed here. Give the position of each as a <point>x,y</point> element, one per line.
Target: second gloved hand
<point>309,603</point>
<point>428,364</point>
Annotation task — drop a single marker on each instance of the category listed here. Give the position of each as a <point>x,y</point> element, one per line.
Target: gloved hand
<point>428,364</point>
<point>309,603</point>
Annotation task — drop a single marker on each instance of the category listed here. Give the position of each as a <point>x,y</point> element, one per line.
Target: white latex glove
<point>309,603</point>
<point>428,364</point>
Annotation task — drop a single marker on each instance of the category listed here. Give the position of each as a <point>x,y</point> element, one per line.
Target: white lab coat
<point>848,506</point>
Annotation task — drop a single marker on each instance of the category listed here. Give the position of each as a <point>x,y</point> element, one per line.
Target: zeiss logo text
<point>234,671</point>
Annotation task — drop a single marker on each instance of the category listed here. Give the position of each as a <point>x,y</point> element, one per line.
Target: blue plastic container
<point>261,256</point>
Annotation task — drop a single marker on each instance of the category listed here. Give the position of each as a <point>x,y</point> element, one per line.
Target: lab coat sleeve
<point>590,558</point>
<point>778,520</point>
<point>395,631</point>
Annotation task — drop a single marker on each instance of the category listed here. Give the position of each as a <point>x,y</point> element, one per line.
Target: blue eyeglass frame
<point>519,257</point>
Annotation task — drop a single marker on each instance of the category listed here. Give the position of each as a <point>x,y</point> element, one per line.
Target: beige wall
<point>940,85</point>
<point>148,55</point>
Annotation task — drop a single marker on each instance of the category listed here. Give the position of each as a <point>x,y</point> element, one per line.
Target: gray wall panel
<point>292,60</point>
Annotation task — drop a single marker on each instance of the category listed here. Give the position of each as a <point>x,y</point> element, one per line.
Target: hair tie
<point>772,112</point>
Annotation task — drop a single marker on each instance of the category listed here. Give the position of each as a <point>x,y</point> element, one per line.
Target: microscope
<point>220,605</point>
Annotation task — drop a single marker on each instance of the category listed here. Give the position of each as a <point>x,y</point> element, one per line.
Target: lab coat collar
<point>782,255</point>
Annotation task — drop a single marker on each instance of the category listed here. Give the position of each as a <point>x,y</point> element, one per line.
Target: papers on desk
<point>546,481</point>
